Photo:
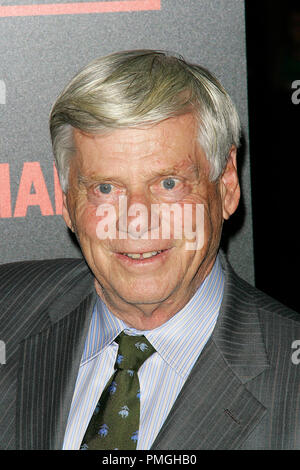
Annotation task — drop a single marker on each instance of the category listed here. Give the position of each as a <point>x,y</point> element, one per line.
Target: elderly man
<point>151,341</point>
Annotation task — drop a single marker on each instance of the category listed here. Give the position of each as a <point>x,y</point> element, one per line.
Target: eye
<point>169,183</point>
<point>105,188</point>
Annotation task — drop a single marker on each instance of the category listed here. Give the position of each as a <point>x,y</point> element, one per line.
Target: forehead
<point>170,144</point>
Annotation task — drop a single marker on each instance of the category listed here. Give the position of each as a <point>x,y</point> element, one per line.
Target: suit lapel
<point>214,409</point>
<point>48,370</point>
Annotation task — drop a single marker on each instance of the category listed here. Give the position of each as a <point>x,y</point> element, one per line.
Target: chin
<point>142,297</point>
<point>149,299</point>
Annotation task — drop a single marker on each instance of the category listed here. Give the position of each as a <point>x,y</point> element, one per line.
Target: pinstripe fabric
<point>48,345</point>
<point>28,295</point>
<point>178,344</point>
<point>242,393</point>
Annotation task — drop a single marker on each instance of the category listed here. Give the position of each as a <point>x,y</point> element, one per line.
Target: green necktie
<point>115,422</point>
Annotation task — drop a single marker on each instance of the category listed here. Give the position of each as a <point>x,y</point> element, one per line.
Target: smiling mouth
<point>147,255</point>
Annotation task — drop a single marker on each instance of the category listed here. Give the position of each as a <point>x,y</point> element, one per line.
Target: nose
<point>138,217</point>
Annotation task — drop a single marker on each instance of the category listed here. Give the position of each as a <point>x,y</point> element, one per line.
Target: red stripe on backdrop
<point>79,8</point>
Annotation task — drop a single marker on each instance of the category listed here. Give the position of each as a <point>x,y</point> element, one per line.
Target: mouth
<point>143,258</point>
<point>146,255</point>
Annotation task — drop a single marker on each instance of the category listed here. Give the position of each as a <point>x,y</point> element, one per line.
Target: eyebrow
<point>177,169</point>
<point>82,179</point>
<point>89,180</point>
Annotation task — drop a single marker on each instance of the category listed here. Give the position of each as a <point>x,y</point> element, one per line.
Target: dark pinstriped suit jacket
<point>243,392</point>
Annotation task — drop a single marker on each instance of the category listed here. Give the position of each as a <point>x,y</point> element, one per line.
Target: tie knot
<point>133,351</point>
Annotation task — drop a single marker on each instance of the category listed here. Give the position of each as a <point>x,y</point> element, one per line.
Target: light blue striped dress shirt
<point>178,344</point>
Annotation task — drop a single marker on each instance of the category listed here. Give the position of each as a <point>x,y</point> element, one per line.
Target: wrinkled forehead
<point>168,147</point>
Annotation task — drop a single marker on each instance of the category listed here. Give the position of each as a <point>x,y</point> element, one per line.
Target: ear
<point>66,213</point>
<point>230,188</point>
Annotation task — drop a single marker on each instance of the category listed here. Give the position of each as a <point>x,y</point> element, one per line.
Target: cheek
<point>214,217</point>
<point>184,221</point>
<point>202,215</point>
<point>86,220</point>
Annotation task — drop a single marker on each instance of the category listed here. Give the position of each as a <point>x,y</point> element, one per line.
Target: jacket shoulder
<point>281,329</point>
<point>25,276</point>
<point>29,289</point>
<point>251,298</point>
<point>273,307</point>
<point>252,319</point>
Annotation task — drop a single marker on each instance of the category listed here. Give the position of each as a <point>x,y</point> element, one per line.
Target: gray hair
<point>143,87</point>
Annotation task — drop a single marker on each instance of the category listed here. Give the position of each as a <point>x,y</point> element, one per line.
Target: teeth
<point>149,254</point>
<point>133,255</point>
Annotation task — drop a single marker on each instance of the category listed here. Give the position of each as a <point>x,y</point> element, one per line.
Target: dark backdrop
<point>273,56</point>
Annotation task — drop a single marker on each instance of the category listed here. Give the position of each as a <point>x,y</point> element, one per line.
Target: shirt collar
<point>104,328</point>
<point>180,340</point>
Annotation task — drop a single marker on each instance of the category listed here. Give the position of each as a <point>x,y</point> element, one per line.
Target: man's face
<point>145,278</point>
